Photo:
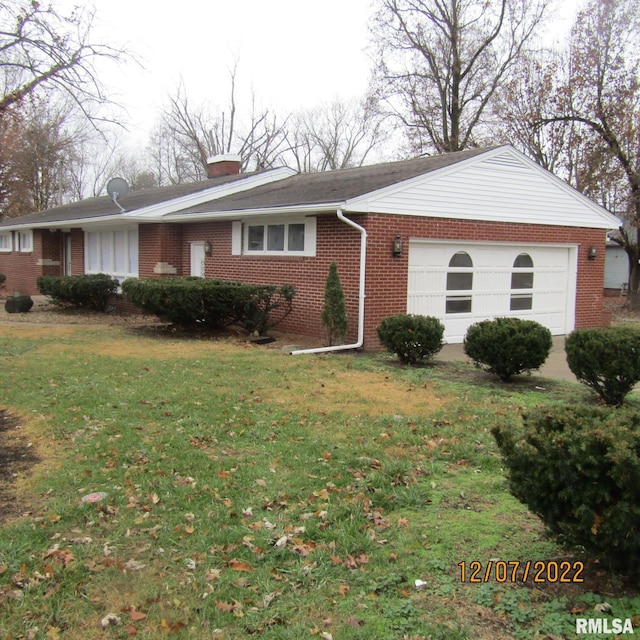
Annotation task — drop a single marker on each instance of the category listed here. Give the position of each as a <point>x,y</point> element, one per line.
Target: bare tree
<point>335,135</point>
<point>441,62</point>
<point>42,49</point>
<point>601,97</point>
<point>187,135</point>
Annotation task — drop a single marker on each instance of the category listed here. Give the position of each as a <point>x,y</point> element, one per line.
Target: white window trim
<point>131,271</point>
<point>21,236</point>
<point>240,236</point>
<point>8,247</point>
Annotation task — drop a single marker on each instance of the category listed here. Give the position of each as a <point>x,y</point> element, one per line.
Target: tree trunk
<point>633,297</point>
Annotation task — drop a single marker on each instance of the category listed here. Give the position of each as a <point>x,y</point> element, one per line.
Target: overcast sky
<point>292,53</point>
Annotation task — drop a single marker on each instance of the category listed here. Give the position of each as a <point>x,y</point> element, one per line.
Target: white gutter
<point>361,296</point>
<point>237,214</point>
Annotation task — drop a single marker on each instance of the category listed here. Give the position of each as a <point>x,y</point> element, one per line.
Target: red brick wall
<point>159,243</point>
<point>335,241</point>
<point>386,277</point>
<point>22,269</point>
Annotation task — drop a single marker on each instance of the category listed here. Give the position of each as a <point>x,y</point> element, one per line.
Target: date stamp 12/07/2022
<point>535,571</point>
<point>540,571</point>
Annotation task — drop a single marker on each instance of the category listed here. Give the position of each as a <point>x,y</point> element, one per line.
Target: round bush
<point>18,304</point>
<point>412,338</point>
<point>577,467</point>
<point>607,360</point>
<point>508,346</point>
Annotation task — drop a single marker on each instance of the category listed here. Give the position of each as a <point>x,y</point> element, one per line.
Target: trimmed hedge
<point>413,338</point>
<point>578,468</point>
<point>508,346</point>
<point>607,360</point>
<point>92,291</point>
<point>190,301</point>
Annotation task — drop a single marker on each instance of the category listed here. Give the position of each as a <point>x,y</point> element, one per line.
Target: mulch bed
<point>17,458</point>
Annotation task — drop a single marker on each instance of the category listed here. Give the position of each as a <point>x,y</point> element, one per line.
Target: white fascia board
<point>158,211</point>
<point>330,207</point>
<point>363,204</point>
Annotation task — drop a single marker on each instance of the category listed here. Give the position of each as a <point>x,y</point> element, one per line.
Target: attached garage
<point>464,283</point>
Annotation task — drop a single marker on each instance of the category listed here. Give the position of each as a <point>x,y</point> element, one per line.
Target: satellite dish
<point>117,188</point>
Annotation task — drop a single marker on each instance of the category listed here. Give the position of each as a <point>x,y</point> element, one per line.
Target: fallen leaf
<point>229,607</point>
<point>343,588</point>
<point>136,616</point>
<point>403,522</point>
<point>239,565</point>
<point>261,483</point>
<point>172,627</point>
<point>133,565</point>
<point>281,542</point>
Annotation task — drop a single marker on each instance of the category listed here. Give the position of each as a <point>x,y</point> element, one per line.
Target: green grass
<point>254,493</point>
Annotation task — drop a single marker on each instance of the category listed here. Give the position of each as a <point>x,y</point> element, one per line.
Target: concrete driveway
<point>555,367</point>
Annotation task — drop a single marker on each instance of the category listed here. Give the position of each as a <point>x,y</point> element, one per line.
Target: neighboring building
<point>616,268</point>
<point>463,236</point>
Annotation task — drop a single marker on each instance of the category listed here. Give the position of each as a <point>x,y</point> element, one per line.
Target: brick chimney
<point>227,164</point>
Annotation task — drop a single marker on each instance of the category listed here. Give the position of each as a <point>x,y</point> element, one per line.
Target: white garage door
<point>464,283</point>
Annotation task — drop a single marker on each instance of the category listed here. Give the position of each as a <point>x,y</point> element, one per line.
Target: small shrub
<point>92,291</point>
<point>334,311</point>
<point>607,360</point>
<point>578,468</point>
<point>18,304</point>
<point>212,304</point>
<point>508,346</point>
<point>413,338</point>
<point>3,280</point>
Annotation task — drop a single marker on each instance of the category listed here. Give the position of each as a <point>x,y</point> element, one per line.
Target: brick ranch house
<point>463,236</point>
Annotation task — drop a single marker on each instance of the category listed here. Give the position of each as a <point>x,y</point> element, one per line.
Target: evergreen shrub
<point>578,468</point>
<point>189,302</point>
<point>18,304</point>
<point>92,291</point>
<point>508,346</point>
<point>334,311</point>
<point>413,338</point>
<point>606,360</point>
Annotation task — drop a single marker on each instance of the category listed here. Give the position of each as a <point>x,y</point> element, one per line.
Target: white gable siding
<point>504,187</point>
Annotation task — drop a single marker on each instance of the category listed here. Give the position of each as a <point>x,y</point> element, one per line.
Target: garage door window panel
<point>522,283</point>
<point>460,281</point>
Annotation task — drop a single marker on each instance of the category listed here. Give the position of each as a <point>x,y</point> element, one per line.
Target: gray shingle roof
<point>331,186</point>
<point>301,189</point>
<point>104,206</point>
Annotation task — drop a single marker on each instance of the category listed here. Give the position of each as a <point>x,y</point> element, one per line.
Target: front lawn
<point>232,491</point>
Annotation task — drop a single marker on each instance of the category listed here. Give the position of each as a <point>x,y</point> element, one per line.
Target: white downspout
<point>361,296</point>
